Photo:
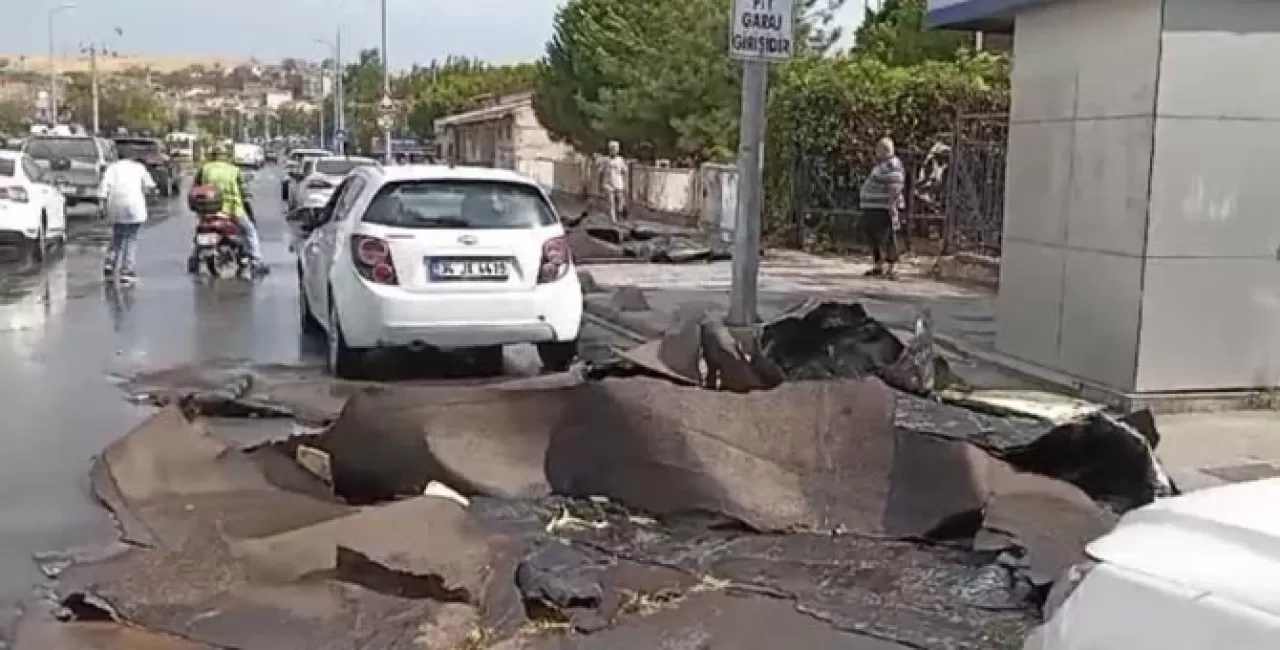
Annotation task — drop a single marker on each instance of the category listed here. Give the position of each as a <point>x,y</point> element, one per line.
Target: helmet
<point>204,199</point>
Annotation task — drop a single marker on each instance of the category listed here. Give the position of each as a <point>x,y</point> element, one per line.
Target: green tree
<point>654,75</point>
<point>451,86</point>
<point>12,115</point>
<point>363,88</point>
<point>122,102</point>
<point>895,34</point>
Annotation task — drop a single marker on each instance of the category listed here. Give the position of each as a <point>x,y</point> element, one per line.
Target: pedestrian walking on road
<point>614,181</point>
<point>125,184</point>
<point>881,200</point>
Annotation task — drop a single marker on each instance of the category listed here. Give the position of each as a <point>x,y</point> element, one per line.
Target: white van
<point>1187,573</point>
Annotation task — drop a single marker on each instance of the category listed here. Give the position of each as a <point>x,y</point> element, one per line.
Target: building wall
<point>1212,274</point>
<point>1140,244</point>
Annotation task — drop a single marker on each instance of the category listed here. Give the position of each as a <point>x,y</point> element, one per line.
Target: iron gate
<point>974,196</point>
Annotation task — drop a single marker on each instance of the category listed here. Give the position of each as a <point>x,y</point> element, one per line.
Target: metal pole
<point>746,231</point>
<point>53,75</point>
<point>386,82</point>
<point>340,97</point>
<point>93,82</point>
<point>320,111</point>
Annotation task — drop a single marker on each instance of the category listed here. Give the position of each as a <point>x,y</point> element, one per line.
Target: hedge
<point>837,108</point>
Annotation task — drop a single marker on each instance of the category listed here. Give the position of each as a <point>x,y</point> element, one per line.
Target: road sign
<point>387,105</point>
<point>339,136</point>
<point>385,122</point>
<point>761,30</point>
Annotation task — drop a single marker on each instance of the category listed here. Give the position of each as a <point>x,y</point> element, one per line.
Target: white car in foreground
<point>33,215</point>
<point>1195,572</point>
<point>439,257</point>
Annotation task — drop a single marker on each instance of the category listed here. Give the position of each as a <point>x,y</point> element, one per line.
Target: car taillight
<point>372,259</point>
<point>556,258</point>
<point>319,185</point>
<point>15,194</point>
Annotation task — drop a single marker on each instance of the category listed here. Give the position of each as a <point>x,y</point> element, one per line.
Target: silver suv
<point>75,164</point>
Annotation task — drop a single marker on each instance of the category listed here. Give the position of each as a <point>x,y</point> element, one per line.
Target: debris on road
<point>595,239</point>
<point>814,476</point>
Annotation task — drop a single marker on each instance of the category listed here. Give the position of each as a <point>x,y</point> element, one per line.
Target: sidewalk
<point>1199,449</point>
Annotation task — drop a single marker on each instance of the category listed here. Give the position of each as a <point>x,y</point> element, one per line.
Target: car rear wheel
<point>344,362</point>
<point>308,319</point>
<point>489,360</point>
<point>557,356</point>
<point>40,245</point>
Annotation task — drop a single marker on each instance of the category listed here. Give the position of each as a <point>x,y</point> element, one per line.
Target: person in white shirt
<point>615,181</point>
<point>125,184</point>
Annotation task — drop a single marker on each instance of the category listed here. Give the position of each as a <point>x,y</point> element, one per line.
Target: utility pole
<point>340,101</point>
<point>760,33</point>
<point>94,89</point>
<point>53,64</point>
<point>387,123</point>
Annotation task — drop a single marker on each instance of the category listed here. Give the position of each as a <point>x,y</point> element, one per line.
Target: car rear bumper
<point>19,223</point>
<point>379,316</point>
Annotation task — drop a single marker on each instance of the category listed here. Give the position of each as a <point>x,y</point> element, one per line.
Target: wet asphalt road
<point>64,333</point>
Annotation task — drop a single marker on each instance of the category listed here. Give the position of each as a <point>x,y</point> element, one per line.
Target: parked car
<point>320,176</point>
<point>74,163</point>
<point>293,169</point>
<point>1185,573</point>
<point>439,257</point>
<point>32,212</point>
<point>164,170</point>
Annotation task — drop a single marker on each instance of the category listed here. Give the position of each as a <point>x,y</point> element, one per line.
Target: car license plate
<point>207,239</point>
<point>454,269</point>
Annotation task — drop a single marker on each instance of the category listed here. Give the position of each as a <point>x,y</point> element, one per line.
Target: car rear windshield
<point>460,204</point>
<point>8,167</point>
<point>137,148</point>
<point>339,167</point>
<point>84,149</point>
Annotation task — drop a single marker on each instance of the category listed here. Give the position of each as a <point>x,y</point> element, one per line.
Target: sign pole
<point>743,295</point>
<point>760,33</point>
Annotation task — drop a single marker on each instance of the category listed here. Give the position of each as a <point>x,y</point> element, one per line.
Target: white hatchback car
<point>33,215</point>
<point>1186,573</point>
<point>442,257</point>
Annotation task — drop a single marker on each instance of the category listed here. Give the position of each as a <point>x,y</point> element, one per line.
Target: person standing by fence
<point>880,199</point>
<point>614,181</point>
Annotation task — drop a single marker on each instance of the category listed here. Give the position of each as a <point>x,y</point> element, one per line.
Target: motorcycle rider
<point>229,182</point>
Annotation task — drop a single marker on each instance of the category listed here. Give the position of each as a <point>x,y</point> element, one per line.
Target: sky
<point>499,31</point>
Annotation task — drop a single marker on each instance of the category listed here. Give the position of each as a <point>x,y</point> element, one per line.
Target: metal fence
<point>824,201</point>
<point>954,194</point>
<point>974,188</point>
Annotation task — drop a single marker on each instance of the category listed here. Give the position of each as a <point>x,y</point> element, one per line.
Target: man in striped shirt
<point>880,199</point>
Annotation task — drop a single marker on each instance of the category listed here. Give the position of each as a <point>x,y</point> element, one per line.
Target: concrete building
<point>1141,249</point>
<point>502,131</point>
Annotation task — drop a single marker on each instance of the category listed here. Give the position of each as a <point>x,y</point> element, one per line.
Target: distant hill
<point>121,63</point>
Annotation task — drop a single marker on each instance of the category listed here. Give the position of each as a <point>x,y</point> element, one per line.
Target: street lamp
<point>386,86</point>
<point>339,90</point>
<point>53,64</point>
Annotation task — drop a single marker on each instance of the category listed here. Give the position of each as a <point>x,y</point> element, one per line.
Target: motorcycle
<point>220,249</point>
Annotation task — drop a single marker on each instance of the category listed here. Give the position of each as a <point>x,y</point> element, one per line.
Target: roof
<point>445,173</point>
<point>978,15</point>
<point>1224,541</point>
<point>10,155</point>
<point>486,114</point>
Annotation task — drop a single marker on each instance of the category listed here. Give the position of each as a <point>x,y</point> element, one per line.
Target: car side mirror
<point>308,219</point>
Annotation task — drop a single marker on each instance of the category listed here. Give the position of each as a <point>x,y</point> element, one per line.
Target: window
<point>339,167</point>
<point>8,167</point>
<point>32,169</point>
<point>50,148</point>
<point>139,148</point>
<point>460,204</point>
<point>342,209</point>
